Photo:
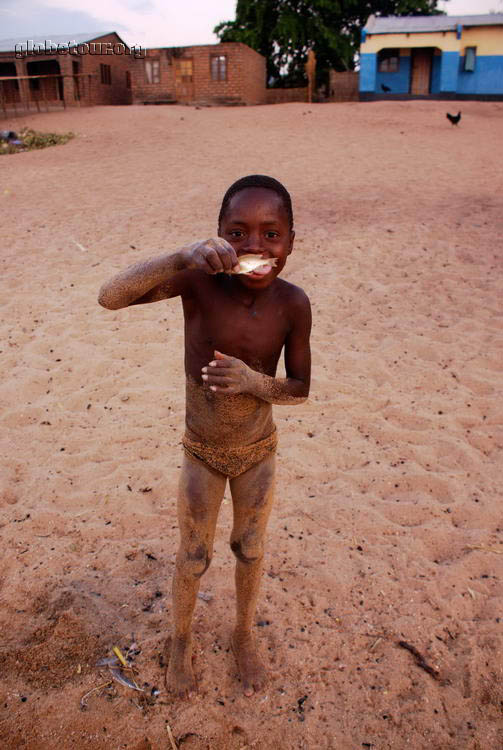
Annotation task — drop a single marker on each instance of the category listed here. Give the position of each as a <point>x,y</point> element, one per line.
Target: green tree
<point>283,31</point>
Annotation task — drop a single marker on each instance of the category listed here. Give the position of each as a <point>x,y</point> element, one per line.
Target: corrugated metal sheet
<point>9,45</point>
<point>415,24</point>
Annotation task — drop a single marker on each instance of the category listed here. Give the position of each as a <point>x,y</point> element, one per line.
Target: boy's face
<point>256,222</point>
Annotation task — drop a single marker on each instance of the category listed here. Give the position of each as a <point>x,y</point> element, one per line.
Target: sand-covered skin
<point>388,525</point>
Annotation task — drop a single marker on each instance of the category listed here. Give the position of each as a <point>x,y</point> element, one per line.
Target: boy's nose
<point>253,244</point>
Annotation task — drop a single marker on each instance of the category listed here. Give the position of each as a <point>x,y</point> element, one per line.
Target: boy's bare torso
<point>218,316</point>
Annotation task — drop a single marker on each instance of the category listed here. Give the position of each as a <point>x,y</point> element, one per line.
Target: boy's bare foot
<point>179,677</point>
<point>251,669</point>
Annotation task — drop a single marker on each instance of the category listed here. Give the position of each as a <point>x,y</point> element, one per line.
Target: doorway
<point>76,80</point>
<point>420,81</point>
<point>9,90</point>
<point>184,79</point>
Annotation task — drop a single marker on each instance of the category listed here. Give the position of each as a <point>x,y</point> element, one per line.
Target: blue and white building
<point>438,57</point>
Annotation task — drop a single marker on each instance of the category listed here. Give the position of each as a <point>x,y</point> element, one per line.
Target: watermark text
<point>30,48</point>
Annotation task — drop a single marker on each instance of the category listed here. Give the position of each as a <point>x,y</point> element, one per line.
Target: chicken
<point>454,118</point>
<point>385,88</point>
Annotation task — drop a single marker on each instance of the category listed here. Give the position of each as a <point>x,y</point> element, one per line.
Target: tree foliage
<point>283,31</point>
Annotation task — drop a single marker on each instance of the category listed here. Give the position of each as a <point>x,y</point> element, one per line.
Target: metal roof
<point>10,45</point>
<point>413,24</point>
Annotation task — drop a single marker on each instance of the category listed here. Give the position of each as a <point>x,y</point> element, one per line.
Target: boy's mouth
<point>254,265</point>
<point>259,273</point>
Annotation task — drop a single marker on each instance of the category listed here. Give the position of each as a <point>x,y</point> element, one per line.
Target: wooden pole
<point>311,74</point>
<point>43,96</point>
<point>25,96</point>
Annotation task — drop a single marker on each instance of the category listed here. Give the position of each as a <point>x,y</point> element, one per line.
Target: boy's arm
<point>166,276</point>
<point>232,375</point>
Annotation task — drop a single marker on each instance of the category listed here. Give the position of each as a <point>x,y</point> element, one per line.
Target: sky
<point>150,23</point>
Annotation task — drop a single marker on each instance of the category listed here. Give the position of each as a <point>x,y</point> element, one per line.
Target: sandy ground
<point>388,527</point>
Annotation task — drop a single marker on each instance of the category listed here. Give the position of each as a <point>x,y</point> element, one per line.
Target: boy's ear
<point>292,237</point>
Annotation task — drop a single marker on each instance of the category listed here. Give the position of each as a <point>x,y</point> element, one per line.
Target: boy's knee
<point>195,561</point>
<point>247,550</point>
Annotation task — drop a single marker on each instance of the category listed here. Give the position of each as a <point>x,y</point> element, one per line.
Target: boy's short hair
<point>258,181</point>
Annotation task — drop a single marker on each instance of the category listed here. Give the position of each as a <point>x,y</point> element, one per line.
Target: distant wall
<point>343,87</point>
<point>282,96</point>
<point>243,83</point>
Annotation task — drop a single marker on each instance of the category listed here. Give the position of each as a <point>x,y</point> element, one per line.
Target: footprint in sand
<point>8,497</point>
<point>407,420</point>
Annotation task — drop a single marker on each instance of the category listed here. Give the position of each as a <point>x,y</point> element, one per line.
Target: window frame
<point>384,57</point>
<point>218,60</point>
<point>153,70</point>
<point>106,74</point>
<point>470,59</point>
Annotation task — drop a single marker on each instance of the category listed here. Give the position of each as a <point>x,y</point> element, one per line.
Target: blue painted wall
<point>447,75</point>
<point>398,82</point>
<point>368,70</point>
<point>487,78</point>
<point>449,71</point>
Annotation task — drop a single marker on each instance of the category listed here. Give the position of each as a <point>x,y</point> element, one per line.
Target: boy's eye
<point>271,235</point>
<point>236,233</point>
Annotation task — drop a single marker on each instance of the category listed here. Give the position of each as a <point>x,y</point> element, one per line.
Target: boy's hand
<point>228,375</point>
<point>215,255</point>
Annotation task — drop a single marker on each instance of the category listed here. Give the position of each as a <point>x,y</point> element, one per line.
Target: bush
<point>33,139</point>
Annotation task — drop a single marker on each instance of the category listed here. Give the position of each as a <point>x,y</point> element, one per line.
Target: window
<point>219,67</point>
<point>128,79</point>
<point>389,60</point>
<point>153,71</point>
<point>470,56</point>
<point>184,70</point>
<point>106,74</point>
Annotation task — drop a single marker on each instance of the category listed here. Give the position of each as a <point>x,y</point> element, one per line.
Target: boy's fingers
<point>216,377</point>
<point>226,245</point>
<point>213,260</point>
<point>233,258</point>
<point>219,355</point>
<point>224,252</point>
<point>228,389</point>
<point>229,254</point>
<point>226,258</point>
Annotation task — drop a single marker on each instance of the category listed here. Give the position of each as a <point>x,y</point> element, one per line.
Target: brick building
<point>69,70</point>
<point>225,73</point>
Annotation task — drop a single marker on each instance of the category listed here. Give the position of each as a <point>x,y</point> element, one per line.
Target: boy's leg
<point>252,496</point>
<point>200,495</point>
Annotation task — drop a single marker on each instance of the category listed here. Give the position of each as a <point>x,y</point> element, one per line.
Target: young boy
<point>235,328</point>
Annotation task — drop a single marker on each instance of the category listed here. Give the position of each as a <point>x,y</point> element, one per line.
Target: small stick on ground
<point>314,520</point>
<point>83,703</point>
<point>420,660</point>
<point>119,655</point>
<point>171,738</point>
